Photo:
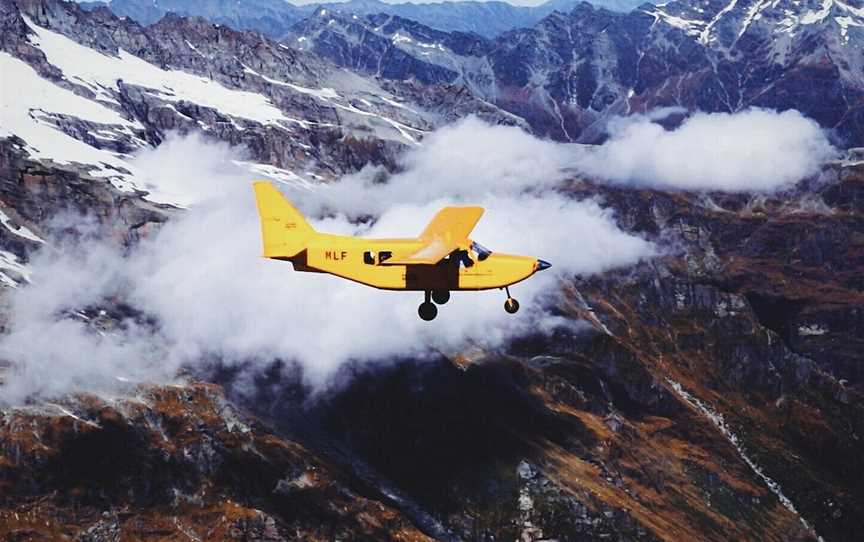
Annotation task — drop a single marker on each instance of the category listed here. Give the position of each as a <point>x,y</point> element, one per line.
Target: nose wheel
<point>511,305</point>
<point>427,310</point>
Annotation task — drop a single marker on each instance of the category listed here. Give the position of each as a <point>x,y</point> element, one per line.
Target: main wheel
<point>511,305</point>
<point>427,311</point>
<point>441,296</point>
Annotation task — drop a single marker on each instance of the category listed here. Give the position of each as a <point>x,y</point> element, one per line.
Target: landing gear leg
<point>511,305</point>
<point>427,310</point>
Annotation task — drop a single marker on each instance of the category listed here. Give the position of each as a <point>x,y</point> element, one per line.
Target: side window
<point>369,258</point>
<point>384,255</point>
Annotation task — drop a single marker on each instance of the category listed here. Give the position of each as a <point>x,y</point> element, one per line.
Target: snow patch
<point>705,35</point>
<point>99,70</point>
<point>278,174</point>
<point>325,93</point>
<point>813,17</point>
<point>399,38</point>
<point>9,263</point>
<point>720,423</point>
<point>845,23</point>
<point>690,27</point>
<point>18,230</point>
<point>25,94</point>
<point>192,47</point>
<point>753,14</point>
<point>66,412</point>
<point>811,330</point>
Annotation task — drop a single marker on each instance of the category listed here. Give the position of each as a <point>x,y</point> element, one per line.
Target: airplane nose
<point>542,264</point>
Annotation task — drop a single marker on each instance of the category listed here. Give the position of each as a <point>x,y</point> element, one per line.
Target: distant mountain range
<point>566,66</point>
<point>569,73</point>
<point>274,17</point>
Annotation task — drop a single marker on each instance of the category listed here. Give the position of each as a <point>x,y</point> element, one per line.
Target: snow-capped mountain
<point>568,74</point>
<point>488,19</point>
<point>392,47</point>
<point>274,17</point>
<point>94,97</point>
<point>271,17</point>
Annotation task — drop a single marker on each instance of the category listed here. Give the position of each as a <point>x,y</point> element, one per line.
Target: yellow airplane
<point>441,260</point>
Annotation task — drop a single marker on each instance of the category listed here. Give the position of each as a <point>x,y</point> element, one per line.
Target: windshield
<point>481,251</point>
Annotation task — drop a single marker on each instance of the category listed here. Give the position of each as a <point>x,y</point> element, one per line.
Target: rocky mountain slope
<point>711,393</point>
<point>570,73</point>
<point>137,84</point>
<point>210,476</point>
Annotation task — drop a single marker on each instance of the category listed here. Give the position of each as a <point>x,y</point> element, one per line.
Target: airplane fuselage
<point>365,261</point>
<point>440,260</point>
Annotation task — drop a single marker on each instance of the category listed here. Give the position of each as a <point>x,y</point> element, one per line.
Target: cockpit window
<point>463,258</point>
<point>481,251</point>
<point>384,255</point>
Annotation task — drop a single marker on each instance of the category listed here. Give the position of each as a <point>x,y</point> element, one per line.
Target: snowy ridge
<point>20,231</point>
<point>100,72</point>
<point>9,263</point>
<point>23,114</point>
<point>377,36</point>
<point>705,36</point>
<point>80,121</point>
<point>689,26</point>
<point>720,423</point>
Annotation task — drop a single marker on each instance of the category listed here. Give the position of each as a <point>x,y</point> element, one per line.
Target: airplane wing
<point>448,231</point>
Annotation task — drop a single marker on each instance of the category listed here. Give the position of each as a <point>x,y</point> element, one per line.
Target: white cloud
<point>50,339</point>
<point>183,170</point>
<point>213,296</point>
<point>756,150</point>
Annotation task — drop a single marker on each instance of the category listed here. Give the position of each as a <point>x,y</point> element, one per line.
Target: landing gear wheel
<point>511,305</point>
<point>427,311</point>
<point>441,296</point>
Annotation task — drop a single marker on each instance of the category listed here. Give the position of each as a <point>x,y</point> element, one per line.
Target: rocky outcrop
<point>37,194</point>
<point>176,461</point>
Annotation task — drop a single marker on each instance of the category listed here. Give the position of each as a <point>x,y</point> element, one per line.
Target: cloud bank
<point>756,150</point>
<point>213,297</point>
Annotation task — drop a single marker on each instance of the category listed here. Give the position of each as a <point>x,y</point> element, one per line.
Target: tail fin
<point>284,231</point>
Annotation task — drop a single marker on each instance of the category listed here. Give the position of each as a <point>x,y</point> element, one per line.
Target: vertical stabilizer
<point>284,231</point>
